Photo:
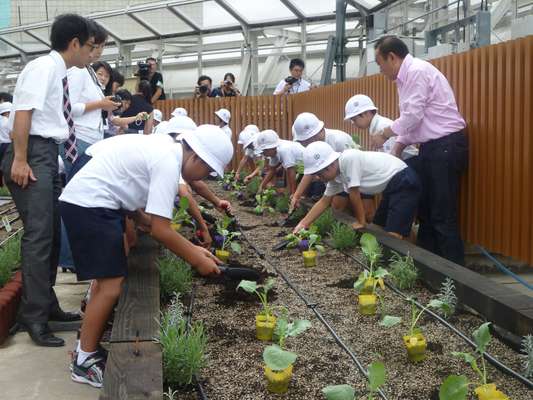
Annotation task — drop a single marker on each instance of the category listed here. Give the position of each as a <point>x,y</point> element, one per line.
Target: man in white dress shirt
<point>294,83</point>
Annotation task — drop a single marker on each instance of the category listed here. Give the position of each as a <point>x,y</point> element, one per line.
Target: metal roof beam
<point>14,45</point>
<point>143,23</point>
<point>294,9</point>
<point>184,18</point>
<point>40,40</point>
<point>231,11</point>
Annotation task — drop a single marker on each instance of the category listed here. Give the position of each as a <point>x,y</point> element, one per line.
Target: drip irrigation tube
<point>497,364</point>
<point>313,307</point>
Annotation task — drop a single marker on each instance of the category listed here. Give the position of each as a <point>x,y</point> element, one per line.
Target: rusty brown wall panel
<point>493,86</point>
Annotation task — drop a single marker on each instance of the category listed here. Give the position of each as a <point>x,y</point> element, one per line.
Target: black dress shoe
<point>62,316</point>
<point>43,336</point>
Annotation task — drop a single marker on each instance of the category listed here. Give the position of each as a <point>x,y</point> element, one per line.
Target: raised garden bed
<point>10,285</point>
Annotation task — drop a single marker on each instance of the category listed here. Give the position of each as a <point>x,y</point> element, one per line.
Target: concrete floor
<point>31,372</point>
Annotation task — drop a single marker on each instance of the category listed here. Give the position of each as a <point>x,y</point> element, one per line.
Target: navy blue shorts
<point>399,203</point>
<point>363,195</point>
<point>96,237</point>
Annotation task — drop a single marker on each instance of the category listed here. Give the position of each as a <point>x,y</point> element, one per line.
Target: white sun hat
<point>245,136</point>
<point>358,104</point>
<point>178,125</point>
<point>161,128</point>
<point>211,145</point>
<point>252,128</point>
<point>250,141</point>
<point>265,140</point>
<point>158,115</point>
<point>224,115</point>
<point>306,125</point>
<point>6,106</point>
<point>317,156</point>
<point>180,111</point>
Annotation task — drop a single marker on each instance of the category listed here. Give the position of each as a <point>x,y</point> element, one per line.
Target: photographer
<point>118,117</point>
<point>156,81</point>
<point>203,88</point>
<point>227,87</point>
<point>140,102</point>
<point>294,82</point>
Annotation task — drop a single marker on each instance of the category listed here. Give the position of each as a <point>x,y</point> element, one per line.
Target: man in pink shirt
<point>429,117</point>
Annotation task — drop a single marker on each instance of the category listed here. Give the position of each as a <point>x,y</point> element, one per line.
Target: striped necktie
<point>71,153</point>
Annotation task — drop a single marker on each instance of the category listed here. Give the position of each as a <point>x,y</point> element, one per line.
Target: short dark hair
<point>151,59</point>
<point>296,62</point>
<point>391,44</point>
<point>203,78</point>
<point>102,64</point>
<point>117,77</point>
<point>67,27</point>
<point>145,89</point>
<point>124,94</point>
<point>98,32</point>
<point>4,96</point>
<point>230,75</point>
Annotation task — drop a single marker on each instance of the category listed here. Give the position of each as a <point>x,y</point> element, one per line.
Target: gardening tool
<point>239,273</point>
<point>284,222</point>
<point>281,245</point>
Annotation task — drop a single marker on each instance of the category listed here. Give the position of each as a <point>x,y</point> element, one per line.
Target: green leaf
<point>467,357</point>
<point>339,392</point>
<point>320,248</point>
<point>297,327</point>
<point>369,244</point>
<point>380,273</point>
<point>482,337</point>
<point>454,387</point>
<point>376,375</point>
<point>235,247</point>
<point>248,286</point>
<point>360,282</point>
<point>277,359</point>
<point>280,331</point>
<point>184,203</point>
<point>440,305</point>
<point>389,321</point>
<point>269,284</point>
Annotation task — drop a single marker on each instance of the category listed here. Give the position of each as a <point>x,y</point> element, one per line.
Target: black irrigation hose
<point>497,364</point>
<point>312,306</point>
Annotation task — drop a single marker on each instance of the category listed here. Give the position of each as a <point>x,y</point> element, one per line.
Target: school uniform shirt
<point>339,140</point>
<point>252,154</point>
<point>83,89</point>
<point>4,130</point>
<point>129,172</point>
<point>227,131</point>
<point>298,87</point>
<point>40,88</point>
<point>288,154</point>
<point>370,171</point>
<point>377,125</point>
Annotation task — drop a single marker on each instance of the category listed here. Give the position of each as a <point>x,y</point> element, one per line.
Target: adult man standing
<point>294,83</point>
<point>41,118</point>
<point>429,117</point>
<point>156,81</point>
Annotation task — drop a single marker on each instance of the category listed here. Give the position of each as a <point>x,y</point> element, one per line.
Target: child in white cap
<point>222,118</point>
<point>5,131</point>
<point>364,172</point>
<point>123,175</point>
<point>249,156</point>
<point>307,129</point>
<point>158,118</point>
<point>179,112</point>
<point>282,153</point>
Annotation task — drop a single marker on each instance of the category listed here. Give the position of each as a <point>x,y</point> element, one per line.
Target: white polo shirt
<point>288,154</point>
<point>298,87</point>
<point>227,131</point>
<point>4,130</point>
<point>129,172</point>
<point>82,89</point>
<point>377,125</point>
<point>370,171</point>
<point>40,88</point>
<point>339,140</point>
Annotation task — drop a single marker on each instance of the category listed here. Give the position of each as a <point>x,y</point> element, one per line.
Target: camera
<point>143,70</point>
<point>117,99</point>
<point>203,89</point>
<point>291,80</point>
<point>227,82</point>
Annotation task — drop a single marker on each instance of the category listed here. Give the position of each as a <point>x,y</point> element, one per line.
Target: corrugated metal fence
<point>494,90</point>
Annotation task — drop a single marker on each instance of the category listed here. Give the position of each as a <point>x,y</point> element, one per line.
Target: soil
<point>234,355</point>
<point>9,211</point>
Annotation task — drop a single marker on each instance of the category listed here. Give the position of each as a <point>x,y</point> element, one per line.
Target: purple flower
<point>219,240</point>
<point>226,186</point>
<point>304,245</point>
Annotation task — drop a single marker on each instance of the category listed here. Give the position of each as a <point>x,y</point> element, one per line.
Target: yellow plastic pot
<point>416,347</point>
<point>489,392</point>
<point>368,286</point>
<point>175,226</point>
<point>264,328</point>
<point>278,381</point>
<point>368,304</point>
<point>222,255</point>
<point>309,258</point>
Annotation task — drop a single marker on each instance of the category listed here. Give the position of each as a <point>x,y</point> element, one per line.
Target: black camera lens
<point>203,89</point>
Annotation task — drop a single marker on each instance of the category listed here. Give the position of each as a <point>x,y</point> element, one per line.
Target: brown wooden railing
<point>494,90</point>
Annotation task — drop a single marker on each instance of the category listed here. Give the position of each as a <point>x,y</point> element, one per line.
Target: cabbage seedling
<point>261,291</point>
<point>376,378</point>
<point>339,392</point>
<point>181,215</point>
<point>306,239</point>
<point>372,251</point>
<point>263,201</point>
<point>228,237</point>
<point>285,329</point>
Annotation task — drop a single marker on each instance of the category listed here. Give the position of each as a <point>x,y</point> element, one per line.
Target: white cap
<point>211,145</point>
<point>158,115</point>
<point>252,128</point>
<point>267,139</point>
<point>306,125</point>
<point>161,128</point>
<point>244,136</point>
<point>358,104</point>
<point>6,106</point>
<point>224,115</point>
<point>317,156</point>
<point>251,140</point>
<point>179,111</point>
<point>178,125</point>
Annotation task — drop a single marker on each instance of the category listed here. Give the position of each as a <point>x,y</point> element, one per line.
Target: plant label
<point>7,225</point>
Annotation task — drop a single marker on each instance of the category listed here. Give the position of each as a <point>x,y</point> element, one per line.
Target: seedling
<point>264,200</point>
<point>339,392</point>
<point>306,239</point>
<point>403,271</point>
<point>374,276</point>
<point>377,376</point>
<point>278,359</point>
<point>175,276</point>
<point>261,291</point>
<point>343,236</point>
<point>228,237</point>
<point>282,204</point>
<point>527,349</point>
<point>238,190</point>
<point>181,215</point>
<point>456,387</point>
<point>227,180</point>
<point>253,186</point>
<point>285,329</point>
<point>447,298</point>
<point>325,222</point>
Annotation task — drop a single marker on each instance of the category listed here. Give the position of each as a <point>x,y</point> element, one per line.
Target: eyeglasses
<point>92,45</point>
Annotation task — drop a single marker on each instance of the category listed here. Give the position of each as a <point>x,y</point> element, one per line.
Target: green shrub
<point>403,271</point>
<point>343,236</point>
<point>253,186</point>
<point>4,191</point>
<point>175,276</point>
<point>183,349</point>
<point>9,259</point>
<point>325,222</point>
<point>282,203</point>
